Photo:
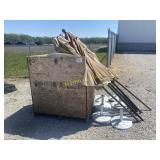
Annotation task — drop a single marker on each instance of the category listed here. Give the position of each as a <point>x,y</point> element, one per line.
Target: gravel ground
<point>137,71</point>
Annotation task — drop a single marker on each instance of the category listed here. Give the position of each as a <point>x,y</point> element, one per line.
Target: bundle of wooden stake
<point>95,72</point>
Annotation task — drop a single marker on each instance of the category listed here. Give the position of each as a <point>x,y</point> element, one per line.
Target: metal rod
<point>29,49</point>
<point>102,105</point>
<point>109,49</point>
<point>130,111</point>
<point>121,114</point>
<point>133,95</point>
<point>120,104</point>
<point>122,99</point>
<point>128,105</point>
<point>126,97</point>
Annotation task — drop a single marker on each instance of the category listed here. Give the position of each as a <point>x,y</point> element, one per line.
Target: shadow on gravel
<point>25,124</point>
<point>43,127</point>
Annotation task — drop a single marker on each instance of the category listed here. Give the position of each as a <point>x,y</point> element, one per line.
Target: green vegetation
<point>102,49</point>
<point>15,61</point>
<point>22,39</point>
<point>26,39</point>
<point>16,51</point>
<point>101,57</point>
<point>102,54</point>
<point>15,64</point>
<point>94,40</point>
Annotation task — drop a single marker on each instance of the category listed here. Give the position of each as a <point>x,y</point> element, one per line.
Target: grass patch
<point>102,57</point>
<point>102,54</point>
<point>102,49</point>
<point>15,64</point>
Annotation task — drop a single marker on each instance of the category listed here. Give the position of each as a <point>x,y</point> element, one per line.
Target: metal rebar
<point>121,104</point>
<point>122,99</point>
<point>126,97</point>
<point>133,95</point>
<point>126,102</point>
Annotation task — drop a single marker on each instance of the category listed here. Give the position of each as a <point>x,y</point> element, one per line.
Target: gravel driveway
<point>137,71</point>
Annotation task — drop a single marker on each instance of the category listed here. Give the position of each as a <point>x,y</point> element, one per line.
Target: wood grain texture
<point>56,85</point>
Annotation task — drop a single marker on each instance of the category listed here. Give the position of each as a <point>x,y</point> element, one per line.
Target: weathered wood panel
<point>56,85</point>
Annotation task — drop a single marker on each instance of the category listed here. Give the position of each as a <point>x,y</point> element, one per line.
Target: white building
<point>136,35</point>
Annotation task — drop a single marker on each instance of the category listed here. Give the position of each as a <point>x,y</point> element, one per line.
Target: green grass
<point>102,49</point>
<point>15,64</point>
<point>102,54</point>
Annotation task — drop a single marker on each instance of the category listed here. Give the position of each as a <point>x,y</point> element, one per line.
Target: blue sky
<point>51,28</point>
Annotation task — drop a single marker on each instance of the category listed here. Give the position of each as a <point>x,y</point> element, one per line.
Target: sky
<point>52,28</point>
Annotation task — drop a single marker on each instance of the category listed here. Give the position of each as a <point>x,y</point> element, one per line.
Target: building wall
<point>136,35</point>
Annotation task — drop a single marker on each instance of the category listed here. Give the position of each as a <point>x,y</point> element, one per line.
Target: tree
<point>26,39</point>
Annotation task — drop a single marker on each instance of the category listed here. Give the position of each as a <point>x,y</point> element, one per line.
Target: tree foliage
<point>26,39</point>
<point>16,39</point>
<point>94,40</point>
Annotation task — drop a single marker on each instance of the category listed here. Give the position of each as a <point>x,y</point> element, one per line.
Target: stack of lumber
<point>95,72</point>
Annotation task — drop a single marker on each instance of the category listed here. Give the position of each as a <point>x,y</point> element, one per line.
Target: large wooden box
<point>56,87</point>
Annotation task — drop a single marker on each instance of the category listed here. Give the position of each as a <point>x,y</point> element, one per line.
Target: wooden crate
<point>56,88</point>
